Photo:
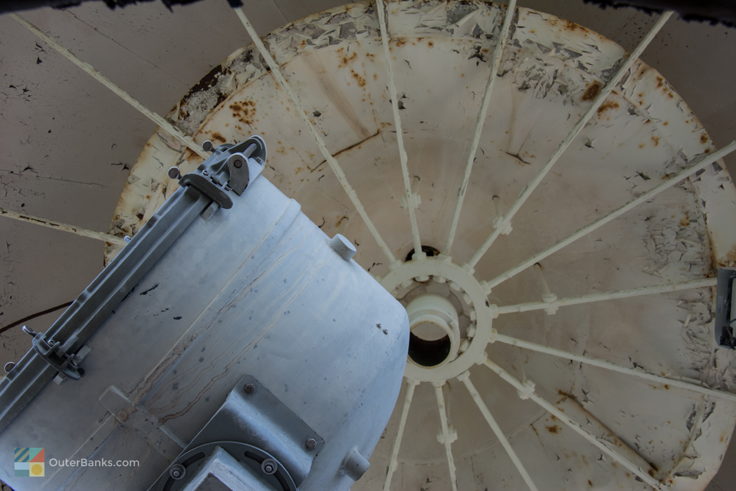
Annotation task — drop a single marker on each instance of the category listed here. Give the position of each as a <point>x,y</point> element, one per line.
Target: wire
<point>33,316</point>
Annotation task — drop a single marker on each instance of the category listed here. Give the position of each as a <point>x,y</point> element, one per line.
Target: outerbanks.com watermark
<point>53,462</point>
<point>32,462</point>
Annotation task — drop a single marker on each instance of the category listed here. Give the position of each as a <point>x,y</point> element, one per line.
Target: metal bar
<point>482,114</point>
<point>393,463</point>
<point>602,297</point>
<point>465,379</point>
<point>526,391</point>
<point>95,304</point>
<point>504,224</point>
<point>331,161</point>
<point>89,69</point>
<point>447,439</point>
<point>72,229</point>
<point>687,384</point>
<point>702,163</point>
<point>409,197</point>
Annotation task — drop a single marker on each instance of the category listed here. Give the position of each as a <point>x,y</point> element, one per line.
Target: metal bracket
<point>231,168</point>
<point>53,353</point>
<point>254,427</point>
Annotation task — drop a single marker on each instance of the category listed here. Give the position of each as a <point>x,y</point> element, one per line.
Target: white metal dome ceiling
<point>550,74</point>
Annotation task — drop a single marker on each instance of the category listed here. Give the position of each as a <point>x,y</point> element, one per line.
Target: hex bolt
<point>269,467</point>
<point>177,471</point>
<point>249,388</point>
<point>174,173</point>
<point>310,444</point>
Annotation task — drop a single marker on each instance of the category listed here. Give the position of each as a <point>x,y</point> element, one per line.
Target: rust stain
<point>684,222</point>
<point>655,140</point>
<point>590,483</point>
<point>430,43</point>
<point>606,106</point>
<point>345,60</point>
<point>400,41</point>
<point>666,123</point>
<point>591,91</point>
<point>553,429</point>
<point>218,137</point>
<point>703,138</point>
<point>660,82</point>
<point>341,220</point>
<point>358,78</point>
<point>244,111</point>
<point>572,26</point>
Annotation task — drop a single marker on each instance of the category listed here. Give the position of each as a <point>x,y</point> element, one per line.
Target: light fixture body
<point>254,339</point>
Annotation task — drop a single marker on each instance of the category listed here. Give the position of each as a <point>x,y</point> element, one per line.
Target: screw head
<point>269,467</point>
<point>208,146</point>
<point>238,163</point>
<point>174,173</point>
<point>177,471</point>
<point>310,444</point>
<point>8,366</point>
<point>249,388</point>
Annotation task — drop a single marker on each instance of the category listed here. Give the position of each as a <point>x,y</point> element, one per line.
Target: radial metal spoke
<point>393,463</point>
<point>702,163</point>
<point>503,224</point>
<point>331,161</point>
<point>687,384</point>
<point>89,69</point>
<point>447,438</point>
<point>480,121</point>
<point>553,305</point>
<point>412,201</point>
<point>526,390</point>
<point>465,379</point>
<point>72,229</point>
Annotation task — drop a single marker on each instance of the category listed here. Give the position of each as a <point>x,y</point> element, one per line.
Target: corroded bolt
<point>310,444</point>
<point>208,146</point>
<point>177,471</point>
<point>269,467</point>
<point>249,388</point>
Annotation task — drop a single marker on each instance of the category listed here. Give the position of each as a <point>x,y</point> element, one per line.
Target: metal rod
<point>72,229</point>
<point>331,161</point>
<point>702,163</point>
<point>525,390</point>
<point>394,461</point>
<point>691,384</point>
<point>504,224</point>
<point>446,437</point>
<point>480,121</point>
<point>465,379</point>
<point>601,297</point>
<point>409,197</point>
<point>89,69</point>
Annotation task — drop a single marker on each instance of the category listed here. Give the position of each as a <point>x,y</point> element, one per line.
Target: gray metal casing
<point>254,290</point>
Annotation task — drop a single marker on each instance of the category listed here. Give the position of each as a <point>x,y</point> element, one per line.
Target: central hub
<point>449,317</point>
<point>435,330</point>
